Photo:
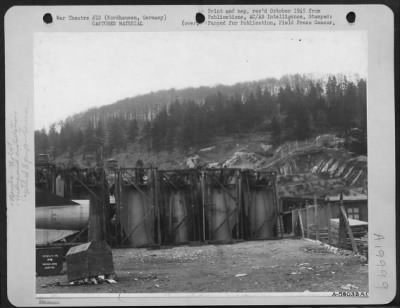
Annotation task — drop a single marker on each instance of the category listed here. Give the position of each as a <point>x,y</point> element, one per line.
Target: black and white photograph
<point>201,162</point>
<point>200,155</point>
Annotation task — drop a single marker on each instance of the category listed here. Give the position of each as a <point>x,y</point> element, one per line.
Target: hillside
<point>145,107</point>
<point>216,125</point>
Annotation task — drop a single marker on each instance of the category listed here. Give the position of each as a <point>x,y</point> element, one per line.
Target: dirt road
<point>287,265</point>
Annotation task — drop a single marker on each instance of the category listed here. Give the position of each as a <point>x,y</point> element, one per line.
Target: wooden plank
<point>316,217</point>
<point>307,222</point>
<point>203,202</point>
<point>157,204</point>
<point>349,231</point>
<point>238,203</point>
<point>293,221</point>
<point>329,223</point>
<point>301,224</point>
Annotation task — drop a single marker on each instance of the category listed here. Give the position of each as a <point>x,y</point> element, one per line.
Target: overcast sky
<point>77,71</point>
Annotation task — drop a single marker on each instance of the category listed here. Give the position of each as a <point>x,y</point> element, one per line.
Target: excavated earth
<point>285,265</point>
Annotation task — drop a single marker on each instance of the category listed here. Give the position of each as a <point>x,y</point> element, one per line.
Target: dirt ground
<point>286,265</point>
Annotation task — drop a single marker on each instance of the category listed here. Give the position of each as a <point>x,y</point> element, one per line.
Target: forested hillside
<point>291,108</point>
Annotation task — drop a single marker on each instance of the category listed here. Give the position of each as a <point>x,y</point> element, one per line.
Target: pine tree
<point>133,130</point>
<point>117,137</point>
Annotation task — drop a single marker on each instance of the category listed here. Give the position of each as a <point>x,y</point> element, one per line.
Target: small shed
<point>89,260</point>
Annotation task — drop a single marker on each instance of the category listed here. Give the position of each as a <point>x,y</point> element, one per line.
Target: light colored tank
<point>59,186</point>
<point>261,213</point>
<point>136,217</point>
<point>63,217</point>
<point>178,225</point>
<point>222,205</point>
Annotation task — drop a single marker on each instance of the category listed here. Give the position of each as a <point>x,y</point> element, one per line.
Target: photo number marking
<point>381,266</point>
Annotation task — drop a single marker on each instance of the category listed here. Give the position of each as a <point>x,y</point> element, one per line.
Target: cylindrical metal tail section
<point>68,217</point>
<point>221,214</point>
<point>178,222</point>
<point>262,214</point>
<point>136,217</point>
<point>60,186</point>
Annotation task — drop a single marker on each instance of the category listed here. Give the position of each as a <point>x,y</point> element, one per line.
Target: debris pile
<point>360,234</point>
<point>244,160</point>
<point>94,280</point>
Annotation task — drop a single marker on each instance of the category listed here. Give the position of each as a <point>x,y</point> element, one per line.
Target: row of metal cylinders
<point>182,218</point>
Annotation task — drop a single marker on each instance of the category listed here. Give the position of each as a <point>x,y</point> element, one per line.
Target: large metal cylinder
<point>178,220</point>
<point>65,217</point>
<point>262,213</point>
<point>59,186</point>
<point>136,217</point>
<point>221,214</point>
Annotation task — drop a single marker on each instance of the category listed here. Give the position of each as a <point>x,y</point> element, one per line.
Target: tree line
<point>286,113</point>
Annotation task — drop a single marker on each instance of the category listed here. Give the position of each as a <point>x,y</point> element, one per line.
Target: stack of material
<point>360,234</point>
<point>323,233</point>
<point>362,244</point>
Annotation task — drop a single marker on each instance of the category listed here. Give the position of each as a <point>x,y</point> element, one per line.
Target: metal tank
<point>63,217</point>
<point>262,213</point>
<point>178,225</point>
<point>221,213</point>
<point>136,216</point>
<point>60,186</point>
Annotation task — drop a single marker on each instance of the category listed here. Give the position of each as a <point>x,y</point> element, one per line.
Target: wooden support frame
<point>203,202</point>
<point>278,207</point>
<point>329,210</point>
<point>301,222</point>
<point>135,228</point>
<point>152,200</point>
<point>349,231</point>
<point>223,188</point>
<point>307,222</point>
<point>157,204</point>
<point>239,220</point>
<point>316,218</point>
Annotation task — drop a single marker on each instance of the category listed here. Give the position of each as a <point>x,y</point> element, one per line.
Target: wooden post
<point>157,204</point>
<point>316,217</point>
<point>192,201</point>
<point>349,231</point>
<point>238,203</point>
<point>119,187</point>
<point>301,222</point>
<point>342,227</point>
<point>278,207</point>
<point>293,221</point>
<point>203,202</point>
<point>96,230</point>
<point>307,222</point>
<point>329,223</point>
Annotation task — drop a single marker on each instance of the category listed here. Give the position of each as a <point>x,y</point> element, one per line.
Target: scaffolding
<point>173,207</point>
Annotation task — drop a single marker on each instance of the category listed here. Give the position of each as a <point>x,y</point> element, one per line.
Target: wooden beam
<point>293,220</point>
<point>307,222</point>
<point>157,204</point>
<point>329,223</point>
<point>223,187</point>
<point>316,218</point>
<point>301,223</point>
<point>203,202</point>
<point>238,203</point>
<point>349,231</point>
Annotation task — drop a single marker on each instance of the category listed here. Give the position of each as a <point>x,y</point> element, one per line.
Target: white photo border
<point>22,22</point>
